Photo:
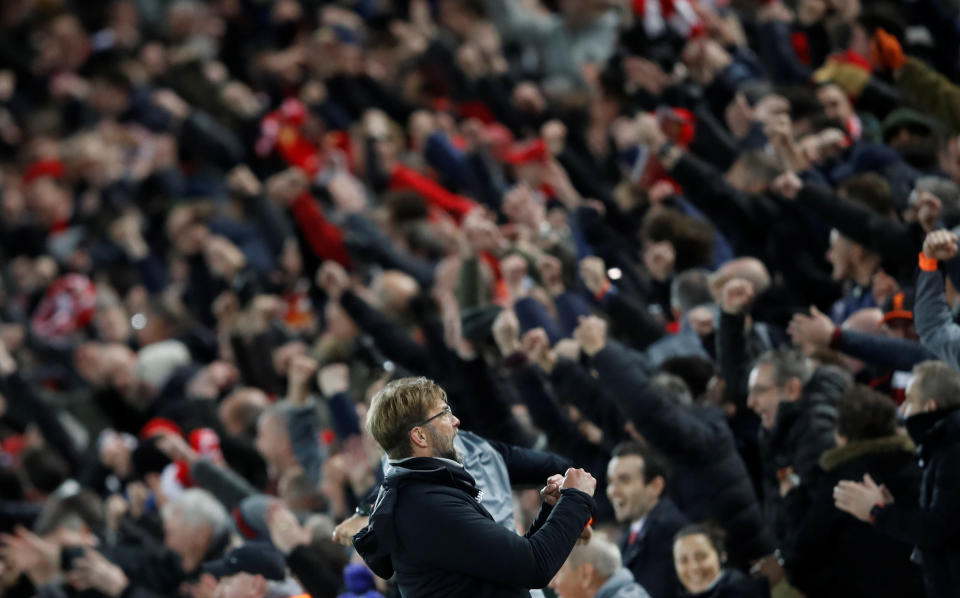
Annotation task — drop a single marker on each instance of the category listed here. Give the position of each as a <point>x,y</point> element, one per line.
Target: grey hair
<point>787,365</point>
<point>689,289</point>
<point>197,508</point>
<point>937,381</point>
<point>944,189</point>
<point>599,552</point>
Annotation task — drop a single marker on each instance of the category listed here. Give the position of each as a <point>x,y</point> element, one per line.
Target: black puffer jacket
<point>831,554</point>
<point>802,431</point>
<point>709,480</point>
<point>934,528</point>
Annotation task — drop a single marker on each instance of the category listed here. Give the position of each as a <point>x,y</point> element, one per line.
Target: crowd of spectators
<point>671,242</point>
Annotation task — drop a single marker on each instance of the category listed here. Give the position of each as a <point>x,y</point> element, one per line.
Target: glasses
<point>446,411</point>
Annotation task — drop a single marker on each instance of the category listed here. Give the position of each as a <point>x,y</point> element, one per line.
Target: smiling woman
<point>699,557</point>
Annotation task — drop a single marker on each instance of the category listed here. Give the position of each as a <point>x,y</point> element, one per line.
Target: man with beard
<point>429,525</point>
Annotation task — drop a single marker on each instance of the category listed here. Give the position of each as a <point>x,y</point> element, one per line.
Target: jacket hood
<point>378,540</point>
<point>819,399</point>
<point>621,585</point>
<point>836,457</point>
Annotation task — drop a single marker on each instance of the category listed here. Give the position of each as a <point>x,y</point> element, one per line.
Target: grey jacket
<point>938,333</point>
<point>621,585</point>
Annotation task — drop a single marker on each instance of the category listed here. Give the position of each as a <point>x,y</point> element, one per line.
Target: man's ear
<point>586,573</point>
<point>793,389</point>
<point>657,485</point>
<point>418,438</point>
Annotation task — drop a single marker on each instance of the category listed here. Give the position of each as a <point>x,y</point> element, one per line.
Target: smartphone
<point>69,554</point>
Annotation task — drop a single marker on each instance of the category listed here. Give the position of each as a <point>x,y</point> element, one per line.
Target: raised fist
<point>738,294</point>
<point>940,245</point>
<point>579,479</point>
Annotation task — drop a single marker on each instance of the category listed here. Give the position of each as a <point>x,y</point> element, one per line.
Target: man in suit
<point>636,479</point>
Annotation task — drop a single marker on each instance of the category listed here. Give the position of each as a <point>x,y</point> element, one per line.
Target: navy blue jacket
<point>650,556</point>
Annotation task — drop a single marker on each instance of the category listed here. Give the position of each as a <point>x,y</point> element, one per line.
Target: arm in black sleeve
<point>886,352</point>
<point>562,433</point>
<point>733,359</point>
<point>528,467</point>
<point>18,390</point>
<point>509,559</point>
<point>571,382</point>
<point>892,240</point>
<point>367,242</point>
<point>742,218</point>
<point>665,424</point>
<point>390,338</point>
<point>484,402</point>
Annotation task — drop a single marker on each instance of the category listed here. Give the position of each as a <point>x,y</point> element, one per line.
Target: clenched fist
<point>738,294</point>
<point>940,245</point>
<point>579,479</point>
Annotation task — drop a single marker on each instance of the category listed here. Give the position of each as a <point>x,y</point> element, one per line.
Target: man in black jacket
<point>636,478</point>
<point>932,411</point>
<point>797,409</point>
<point>429,526</point>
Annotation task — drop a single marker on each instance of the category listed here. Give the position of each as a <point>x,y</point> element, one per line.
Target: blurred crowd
<point>702,249</point>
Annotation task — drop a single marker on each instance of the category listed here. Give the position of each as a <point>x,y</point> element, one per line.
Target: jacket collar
<point>934,429</point>
<point>836,457</point>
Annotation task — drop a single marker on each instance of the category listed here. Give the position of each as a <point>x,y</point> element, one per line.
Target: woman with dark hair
<point>700,558</point>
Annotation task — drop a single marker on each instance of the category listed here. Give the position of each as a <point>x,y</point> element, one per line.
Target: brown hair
<point>398,407</point>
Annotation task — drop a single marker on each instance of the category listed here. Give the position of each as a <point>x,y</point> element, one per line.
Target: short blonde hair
<point>398,407</point>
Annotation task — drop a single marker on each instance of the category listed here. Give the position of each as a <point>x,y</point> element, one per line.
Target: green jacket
<point>931,91</point>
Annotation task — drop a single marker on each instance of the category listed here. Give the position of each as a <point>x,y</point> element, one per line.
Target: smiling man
<point>797,409</point>
<point>636,478</point>
<point>429,525</point>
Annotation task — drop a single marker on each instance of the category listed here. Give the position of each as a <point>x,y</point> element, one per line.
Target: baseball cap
<point>254,558</point>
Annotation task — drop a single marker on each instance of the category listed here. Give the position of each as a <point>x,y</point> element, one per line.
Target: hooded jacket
<point>430,529</point>
<point>934,527</point>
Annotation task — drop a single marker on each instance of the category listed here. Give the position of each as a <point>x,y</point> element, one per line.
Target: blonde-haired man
<point>429,525</point>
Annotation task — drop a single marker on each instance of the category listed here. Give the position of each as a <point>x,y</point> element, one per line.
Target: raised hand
<point>940,245</point>
<point>550,493</point>
<point>579,479</point>
<point>815,329</point>
<point>737,295</point>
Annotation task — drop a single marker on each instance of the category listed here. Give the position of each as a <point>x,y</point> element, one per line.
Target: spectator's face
<point>107,99</point>
<point>696,561</point>
<point>764,396</point>
<point>569,582</point>
<point>236,410</point>
<point>631,496</point>
<point>835,103</point>
<point>840,256</point>
<point>915,402</point>
<point>189,542</point>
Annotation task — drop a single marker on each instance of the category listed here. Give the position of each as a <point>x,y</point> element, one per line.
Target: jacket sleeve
<point>45,416</point>
<point>931,91</point>
<point>507,558</point>
<point>528,467</point>
<point>304,439</point>
<point>404,178</point>
<point>733,359</point>
<point>890,239</point>
<point>228,487</point>
<point>938,333</point>
<point>887,352</point>
<point>325,238</point>
<point>937,526</point>
<point>665,424</point>
<point>367,242</point>
<point>390,338</point>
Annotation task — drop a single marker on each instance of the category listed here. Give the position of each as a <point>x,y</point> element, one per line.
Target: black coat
<point>430,528</point>
<point>709,481</point>
<point>831,554</point>
<point>802,431</point>
<point>934,528</point>
<point>734,584</point>
<point>650,556</point>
